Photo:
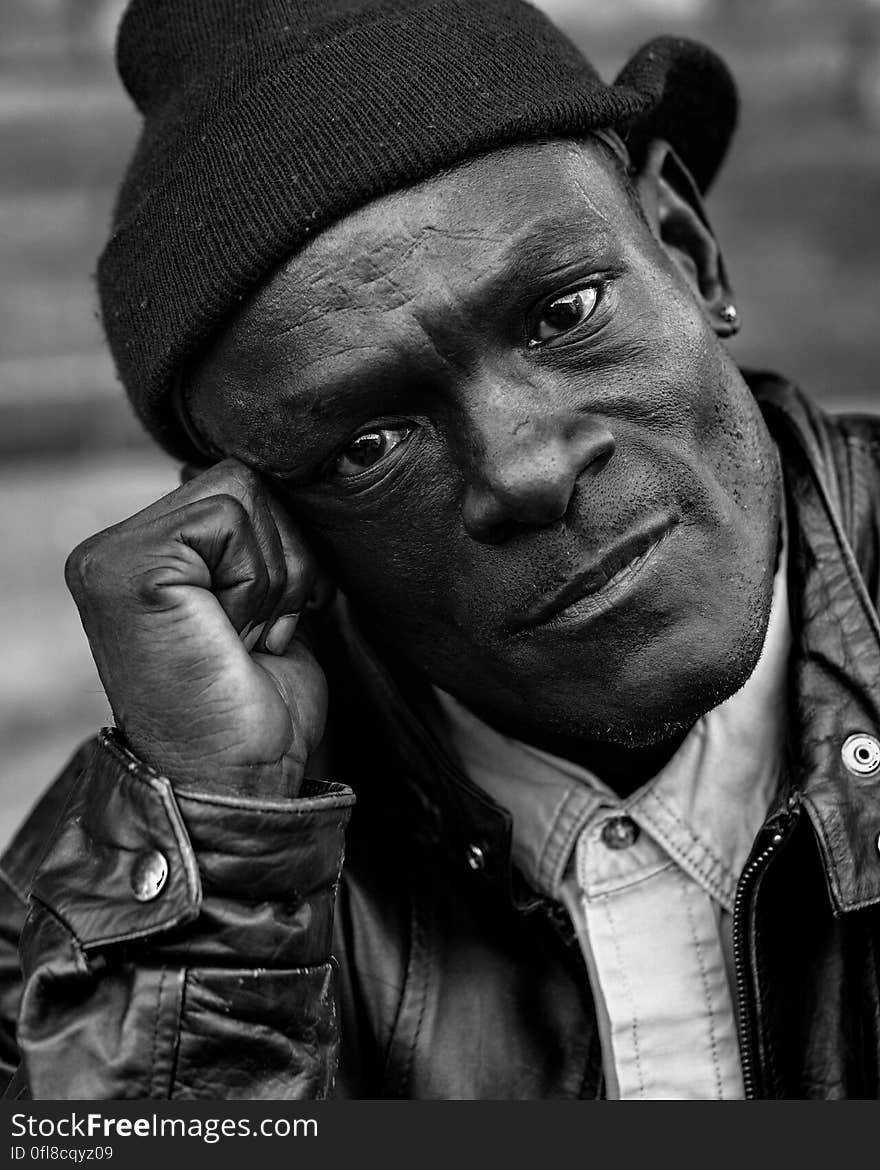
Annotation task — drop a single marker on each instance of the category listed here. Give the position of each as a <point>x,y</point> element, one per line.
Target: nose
<point>525,465</point>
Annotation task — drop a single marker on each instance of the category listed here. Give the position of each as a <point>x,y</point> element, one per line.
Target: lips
<point>603,574</point>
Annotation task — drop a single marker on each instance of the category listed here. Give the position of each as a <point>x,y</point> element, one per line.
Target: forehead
<point>499,212</point>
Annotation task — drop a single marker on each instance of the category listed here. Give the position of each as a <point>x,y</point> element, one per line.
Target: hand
<point>166,598</point>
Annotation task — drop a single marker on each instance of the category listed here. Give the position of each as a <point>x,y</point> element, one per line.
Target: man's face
<point>504,419</point>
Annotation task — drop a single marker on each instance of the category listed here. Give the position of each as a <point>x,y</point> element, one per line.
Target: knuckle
<point>221,509</point>
<point>229,508</point>
<point>85,568</point>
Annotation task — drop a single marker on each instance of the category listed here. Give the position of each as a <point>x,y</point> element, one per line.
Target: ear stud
<point>730,316</point>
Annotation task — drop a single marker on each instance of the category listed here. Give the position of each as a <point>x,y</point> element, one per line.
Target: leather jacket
<point>449,977</point>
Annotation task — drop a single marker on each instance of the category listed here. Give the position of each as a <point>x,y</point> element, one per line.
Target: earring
<point>730,316</point>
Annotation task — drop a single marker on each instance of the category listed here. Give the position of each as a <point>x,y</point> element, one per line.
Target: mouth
<point>600,583</point>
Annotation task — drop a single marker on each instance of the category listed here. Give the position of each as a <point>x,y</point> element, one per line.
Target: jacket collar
<point>835,689</point>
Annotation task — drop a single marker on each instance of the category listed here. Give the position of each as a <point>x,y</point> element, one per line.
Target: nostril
<point>600,461</point>
<point>494,512</point>
<point>592,445</point>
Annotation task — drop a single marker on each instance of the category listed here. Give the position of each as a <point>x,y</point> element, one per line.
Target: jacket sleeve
<point>177,945</point>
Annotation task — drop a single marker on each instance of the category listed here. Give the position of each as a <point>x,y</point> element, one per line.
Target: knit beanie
<point>265,121</point>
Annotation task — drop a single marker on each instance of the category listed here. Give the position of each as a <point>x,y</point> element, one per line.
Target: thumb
<point>303,688</point>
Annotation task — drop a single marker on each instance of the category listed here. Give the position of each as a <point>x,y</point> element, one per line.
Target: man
<point>483,525</point>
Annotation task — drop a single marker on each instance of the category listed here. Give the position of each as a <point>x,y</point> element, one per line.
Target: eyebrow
<point>526,254</point>
<point>381,374</point>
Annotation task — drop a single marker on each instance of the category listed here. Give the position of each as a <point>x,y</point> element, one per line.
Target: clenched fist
<point>167,599</point>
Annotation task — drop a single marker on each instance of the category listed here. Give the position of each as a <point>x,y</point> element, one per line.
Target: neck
<point>623,769</point>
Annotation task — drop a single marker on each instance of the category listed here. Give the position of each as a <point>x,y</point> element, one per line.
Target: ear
<point>675,213</point>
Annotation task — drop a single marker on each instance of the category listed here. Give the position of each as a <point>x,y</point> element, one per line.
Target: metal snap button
<point>861,754</point>
<point>476,857</point>
<point>148,876</point>
<point>620,833</point>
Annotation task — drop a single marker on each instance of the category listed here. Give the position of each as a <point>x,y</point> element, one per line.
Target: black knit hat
<point>267,120</point>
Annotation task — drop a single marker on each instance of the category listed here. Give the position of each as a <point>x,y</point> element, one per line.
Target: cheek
<point>391,556</point>
<point>412,573</point>
<point>714,415</point>
<point>697,400</point>
<point>732,443</point>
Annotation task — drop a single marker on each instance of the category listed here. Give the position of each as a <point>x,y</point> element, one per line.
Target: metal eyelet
<point>861,754</point>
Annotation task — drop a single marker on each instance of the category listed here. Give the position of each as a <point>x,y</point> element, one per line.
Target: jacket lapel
<point>835,667</point>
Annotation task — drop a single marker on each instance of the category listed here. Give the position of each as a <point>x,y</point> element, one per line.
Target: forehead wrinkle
<point>290,314</point>
<point>398,277</point>
<point>576,153</point>
<point>383,277</point>
<point>312,285</point>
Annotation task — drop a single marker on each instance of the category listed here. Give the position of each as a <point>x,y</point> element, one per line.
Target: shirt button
<point>148,876</point>
<point>861,754</point>
<point>620,833</point>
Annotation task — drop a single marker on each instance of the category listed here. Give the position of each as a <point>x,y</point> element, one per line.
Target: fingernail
<point>283,629</point>
<point>250,635</point>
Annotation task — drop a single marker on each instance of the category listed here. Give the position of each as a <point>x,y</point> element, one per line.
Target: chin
<point>657,726</point>
<point>695,683</point>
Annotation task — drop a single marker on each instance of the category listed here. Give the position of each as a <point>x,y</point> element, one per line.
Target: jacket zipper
<point>746,885</point>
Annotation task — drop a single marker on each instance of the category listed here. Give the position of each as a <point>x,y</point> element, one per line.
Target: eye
<point>563,314</point>
<point>369,448</point>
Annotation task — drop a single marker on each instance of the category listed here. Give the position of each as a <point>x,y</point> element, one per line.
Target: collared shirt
<point>649,881</point>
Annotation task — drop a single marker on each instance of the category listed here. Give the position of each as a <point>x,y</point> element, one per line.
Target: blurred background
<point>796,209</point>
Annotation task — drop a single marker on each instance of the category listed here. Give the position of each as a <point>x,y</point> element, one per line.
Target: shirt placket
<point>650,939</point>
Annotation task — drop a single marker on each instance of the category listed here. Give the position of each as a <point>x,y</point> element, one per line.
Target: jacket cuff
<point>131,859</point>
